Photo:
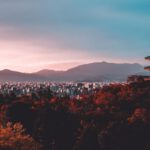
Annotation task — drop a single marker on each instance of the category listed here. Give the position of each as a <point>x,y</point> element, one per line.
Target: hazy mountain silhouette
<point>9,75</point>
<point>87,72</point>
<point>47,72</point>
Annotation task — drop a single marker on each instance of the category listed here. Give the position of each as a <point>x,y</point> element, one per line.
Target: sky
<point>60,34</point>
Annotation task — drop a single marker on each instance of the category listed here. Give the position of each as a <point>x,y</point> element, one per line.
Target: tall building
<point>148,67</point>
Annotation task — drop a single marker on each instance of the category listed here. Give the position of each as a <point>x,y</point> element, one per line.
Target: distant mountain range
<point>100,71</point>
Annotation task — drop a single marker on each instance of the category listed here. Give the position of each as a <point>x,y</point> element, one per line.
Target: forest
<point>116,117</point>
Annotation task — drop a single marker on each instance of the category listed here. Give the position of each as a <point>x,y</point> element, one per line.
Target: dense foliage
<point>117,117</point>
<point>13,137</point>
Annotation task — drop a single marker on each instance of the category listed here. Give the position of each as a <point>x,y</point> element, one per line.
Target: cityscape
<point>74,75</point>
<point>71,90</point>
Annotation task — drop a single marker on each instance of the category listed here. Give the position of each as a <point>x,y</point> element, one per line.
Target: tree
<point>13,137</point>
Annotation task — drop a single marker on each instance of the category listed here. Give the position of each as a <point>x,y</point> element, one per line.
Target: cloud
<point>40,32</point>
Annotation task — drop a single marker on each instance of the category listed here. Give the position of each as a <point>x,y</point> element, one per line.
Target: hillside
<point>88,72</point>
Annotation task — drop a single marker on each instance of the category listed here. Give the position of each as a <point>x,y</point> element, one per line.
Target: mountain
<point>9,75</point>
<point>94,72</point>
<point>48,73</point>
<point>99,71</point>
<point>110,71</point>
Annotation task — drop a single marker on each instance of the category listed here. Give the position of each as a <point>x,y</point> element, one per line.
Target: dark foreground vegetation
<point>117,117</point>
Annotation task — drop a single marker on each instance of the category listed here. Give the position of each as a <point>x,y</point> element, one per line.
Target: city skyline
<point>62,34</point>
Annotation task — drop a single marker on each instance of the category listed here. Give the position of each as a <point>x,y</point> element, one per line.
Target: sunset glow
<point>50,35</point>
<point>74,75</point>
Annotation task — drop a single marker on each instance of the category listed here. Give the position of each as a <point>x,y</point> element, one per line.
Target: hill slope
<point>87,72</point>
<point>95,71</point>
<point>9,75</point>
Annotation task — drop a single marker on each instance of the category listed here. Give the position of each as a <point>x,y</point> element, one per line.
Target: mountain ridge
<point>97,71</point>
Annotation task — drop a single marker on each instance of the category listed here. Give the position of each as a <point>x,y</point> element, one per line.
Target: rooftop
<point>147,58</point>
<point>147,68</point>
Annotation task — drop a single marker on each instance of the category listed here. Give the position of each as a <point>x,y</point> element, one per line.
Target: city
<point>74,75</point>
<point>71,90</point>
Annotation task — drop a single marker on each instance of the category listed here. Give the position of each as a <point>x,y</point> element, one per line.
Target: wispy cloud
<point>44,32</point>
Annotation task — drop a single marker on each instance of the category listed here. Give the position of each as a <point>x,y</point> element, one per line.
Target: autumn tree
<point>13,137</point>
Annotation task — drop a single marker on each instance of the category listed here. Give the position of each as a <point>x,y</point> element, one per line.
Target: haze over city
<point>61,34</point>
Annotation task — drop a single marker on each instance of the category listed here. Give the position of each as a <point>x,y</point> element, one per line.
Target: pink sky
<point>60,34</point>
<point>29,57</point>
<point>22,51</point>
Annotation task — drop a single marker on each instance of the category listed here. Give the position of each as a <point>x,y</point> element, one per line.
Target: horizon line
<point>63,70</point>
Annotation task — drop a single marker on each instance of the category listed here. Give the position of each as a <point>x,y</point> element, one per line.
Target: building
<point>135,78</point>
<point>140,78</point>
<point>148,67</point>
<point>147,58</point>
